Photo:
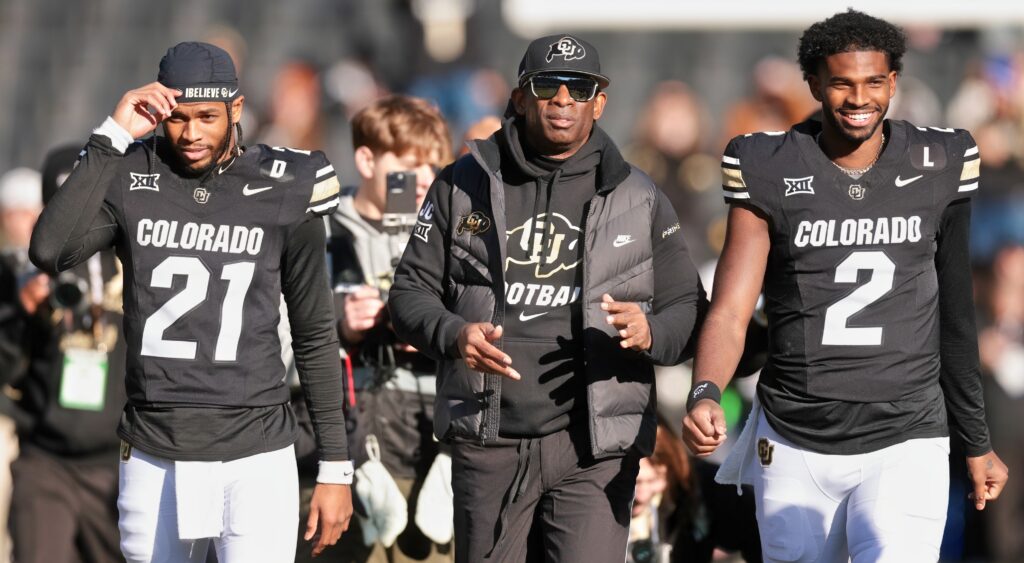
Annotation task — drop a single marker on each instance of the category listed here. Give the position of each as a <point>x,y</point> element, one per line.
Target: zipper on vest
<point>587,228</point>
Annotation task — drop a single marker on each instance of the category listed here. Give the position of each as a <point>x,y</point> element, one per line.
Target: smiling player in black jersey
<point>211,235</point>
<point>858,228</point>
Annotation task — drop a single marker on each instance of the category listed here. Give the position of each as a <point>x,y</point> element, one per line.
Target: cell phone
<point>400,206</point>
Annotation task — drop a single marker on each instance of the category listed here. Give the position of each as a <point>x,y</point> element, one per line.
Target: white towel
<point>435,508</point>
<point>387,512</point>
<point>734,470</point>
<point>199,492</point>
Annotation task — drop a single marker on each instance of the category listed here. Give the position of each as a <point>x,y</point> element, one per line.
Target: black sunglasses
<point>546,86</point>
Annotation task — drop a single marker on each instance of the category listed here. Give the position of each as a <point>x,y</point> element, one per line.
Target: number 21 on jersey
<point>197,280</point>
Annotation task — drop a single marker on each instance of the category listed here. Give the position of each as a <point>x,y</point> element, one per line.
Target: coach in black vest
<point>547,276</point>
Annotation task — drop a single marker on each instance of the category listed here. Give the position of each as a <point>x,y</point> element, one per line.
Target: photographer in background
<point>69,400</point>
<point>21,286</point>
<point>400,143</point>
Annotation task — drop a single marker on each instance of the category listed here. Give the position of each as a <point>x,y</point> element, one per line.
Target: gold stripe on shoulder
<point>972,169</point>
<point>732,178</point>
<point>325,189</point>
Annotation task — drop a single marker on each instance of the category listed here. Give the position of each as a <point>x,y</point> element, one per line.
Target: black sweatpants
<point>63,512</point>
<point>540,500</point>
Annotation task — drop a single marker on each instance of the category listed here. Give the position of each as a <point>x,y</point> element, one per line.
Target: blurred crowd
<point>676,137</point>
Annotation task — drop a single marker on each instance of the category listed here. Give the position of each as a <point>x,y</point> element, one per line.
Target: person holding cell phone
<point>401,142</point>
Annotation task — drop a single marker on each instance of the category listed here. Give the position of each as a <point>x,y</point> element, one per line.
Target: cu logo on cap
<point>567,48</point>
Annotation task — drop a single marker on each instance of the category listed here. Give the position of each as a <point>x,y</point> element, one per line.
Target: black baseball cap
<point>203,73</point>
<point>561,53</point>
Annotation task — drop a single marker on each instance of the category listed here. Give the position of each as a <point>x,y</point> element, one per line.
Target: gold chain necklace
<point>856,171</point>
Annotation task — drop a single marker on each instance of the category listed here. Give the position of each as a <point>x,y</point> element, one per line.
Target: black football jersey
<point>851,287</point>
<point>203,295</point>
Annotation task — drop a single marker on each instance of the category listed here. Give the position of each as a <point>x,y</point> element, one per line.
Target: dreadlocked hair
<point>850,31</point>
<point>234,130</point>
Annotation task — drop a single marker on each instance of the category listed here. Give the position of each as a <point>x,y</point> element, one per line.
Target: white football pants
<point>884,506</point>
<point>260,510</point>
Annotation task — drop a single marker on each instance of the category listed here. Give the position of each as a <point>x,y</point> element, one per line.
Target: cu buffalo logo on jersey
<point>857,192</point>
<point>201,195</point>
<point>567,48</point>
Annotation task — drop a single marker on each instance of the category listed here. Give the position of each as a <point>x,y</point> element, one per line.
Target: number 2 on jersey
<point>836,332</point>
<point>197,281</point>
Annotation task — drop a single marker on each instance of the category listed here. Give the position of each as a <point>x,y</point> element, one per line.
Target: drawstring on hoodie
<point>152,152</point>
<point>551,179</point>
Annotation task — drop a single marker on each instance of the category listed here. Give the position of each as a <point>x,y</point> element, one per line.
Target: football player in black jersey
<point>858,228</point>
<point>211,235</point>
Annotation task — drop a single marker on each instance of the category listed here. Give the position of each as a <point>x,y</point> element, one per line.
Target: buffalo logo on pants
<point>764,451</point>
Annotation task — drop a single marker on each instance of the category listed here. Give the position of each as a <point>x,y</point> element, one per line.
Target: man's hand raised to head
<point>988,476</point>
<point>330,511</point>
<point>142,109</point>
<point>479,354</point>
<point>629,321</point>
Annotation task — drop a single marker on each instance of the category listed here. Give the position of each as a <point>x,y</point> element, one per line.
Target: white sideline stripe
<point>736,195</point>
<point>968,187</point>
<point>324,170</point>
<point>730,160</point>
<point>971,151</point>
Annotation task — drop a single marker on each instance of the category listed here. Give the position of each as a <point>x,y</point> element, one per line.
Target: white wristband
<point>335,472</point>
<point>119,137</point>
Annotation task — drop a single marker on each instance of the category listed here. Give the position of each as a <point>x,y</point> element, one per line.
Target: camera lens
<point>642,551</point>
<point>69,291</point>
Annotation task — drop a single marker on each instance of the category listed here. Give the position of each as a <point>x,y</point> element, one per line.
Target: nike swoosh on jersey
<point>254,191</point>
<point>523,317</point>
<point>900,183</point>
<point>622,241</point>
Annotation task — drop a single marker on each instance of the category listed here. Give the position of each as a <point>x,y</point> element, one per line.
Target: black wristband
<point>701,391</point>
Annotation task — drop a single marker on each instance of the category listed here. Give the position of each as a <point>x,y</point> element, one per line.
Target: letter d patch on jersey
<point>765,449</point>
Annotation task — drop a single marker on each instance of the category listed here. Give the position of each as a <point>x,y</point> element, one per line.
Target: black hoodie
<point>546,204</point>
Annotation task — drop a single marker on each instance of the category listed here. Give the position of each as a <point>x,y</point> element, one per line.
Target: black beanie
<point>203,73</point>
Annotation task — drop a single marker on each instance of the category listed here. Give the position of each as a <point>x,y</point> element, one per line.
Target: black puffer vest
<point>620,383</point>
